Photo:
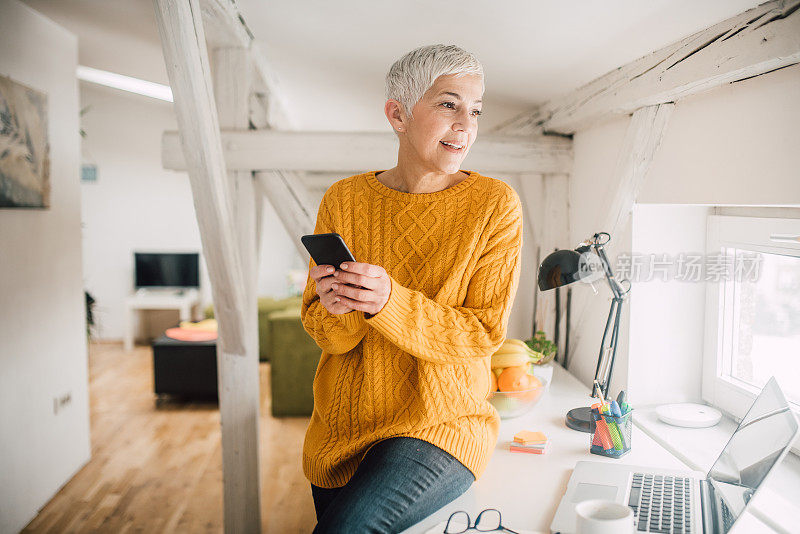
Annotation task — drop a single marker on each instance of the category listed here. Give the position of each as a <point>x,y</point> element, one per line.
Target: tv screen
<point>167,269</point>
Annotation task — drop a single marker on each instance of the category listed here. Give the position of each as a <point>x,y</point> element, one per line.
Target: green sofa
<point>292,353</point>
<point>266,305</point>
<point>294,359</point>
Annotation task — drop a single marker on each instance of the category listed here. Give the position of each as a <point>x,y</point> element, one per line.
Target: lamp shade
<point>560,268</point>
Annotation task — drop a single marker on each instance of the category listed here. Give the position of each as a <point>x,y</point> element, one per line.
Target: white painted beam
<point>357,152</point>
<point>752,43</point>
<point>238,373</point>
<point>183,40</point>
<point>291,201</point>
<point>223,25</point>
<point>187,65</point>
<point>227,28</point>
<point>642,139</point>
<point>320,180</point>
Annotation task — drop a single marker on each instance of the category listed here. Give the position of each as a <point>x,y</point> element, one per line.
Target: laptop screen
<point>759,442</point>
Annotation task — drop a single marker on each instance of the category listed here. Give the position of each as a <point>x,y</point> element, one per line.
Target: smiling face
<point>444,124</point>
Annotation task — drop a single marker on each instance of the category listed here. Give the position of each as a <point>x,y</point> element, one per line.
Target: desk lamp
<point>588,263</point>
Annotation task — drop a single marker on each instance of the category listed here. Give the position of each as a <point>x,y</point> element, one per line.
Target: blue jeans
<point>400,482</point>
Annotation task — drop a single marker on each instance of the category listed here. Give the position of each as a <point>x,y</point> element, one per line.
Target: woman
<point>401,425</point>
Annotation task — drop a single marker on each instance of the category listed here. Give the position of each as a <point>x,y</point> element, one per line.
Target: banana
<point>517,342</point>
<point>528,353</point>
<point>510,359</point>
<point>512,349</point>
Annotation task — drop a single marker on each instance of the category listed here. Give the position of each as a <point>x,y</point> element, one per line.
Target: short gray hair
<point>414,73</point>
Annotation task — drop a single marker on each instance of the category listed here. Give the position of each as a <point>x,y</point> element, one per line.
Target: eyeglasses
<point>488,520</point>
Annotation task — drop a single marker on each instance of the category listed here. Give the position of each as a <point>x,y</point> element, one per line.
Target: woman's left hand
<point>375,286</point>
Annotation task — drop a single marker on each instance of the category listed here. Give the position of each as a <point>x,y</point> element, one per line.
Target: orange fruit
<point>526,367</point>
<point>514,379</point>
<point>534,393</point>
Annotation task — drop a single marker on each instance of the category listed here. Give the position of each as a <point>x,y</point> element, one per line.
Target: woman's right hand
<point>324,279</point>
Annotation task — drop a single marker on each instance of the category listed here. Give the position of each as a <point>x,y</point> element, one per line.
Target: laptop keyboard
<point>661,503</point>
<point>727,517</point>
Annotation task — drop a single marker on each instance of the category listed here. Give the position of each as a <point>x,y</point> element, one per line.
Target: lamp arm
<point>605,360</point>
<point>600,358</point>
<point>614,342</point>
<point>616,289</point>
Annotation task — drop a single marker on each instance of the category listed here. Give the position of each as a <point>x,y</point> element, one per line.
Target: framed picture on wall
<point>24,147</point>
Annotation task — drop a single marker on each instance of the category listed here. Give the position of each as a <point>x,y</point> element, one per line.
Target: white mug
<point>597,516</point>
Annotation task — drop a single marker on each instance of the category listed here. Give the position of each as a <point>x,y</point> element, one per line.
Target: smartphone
<point>327,249</point>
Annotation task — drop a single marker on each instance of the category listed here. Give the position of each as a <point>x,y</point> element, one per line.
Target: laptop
<point>688,502</point>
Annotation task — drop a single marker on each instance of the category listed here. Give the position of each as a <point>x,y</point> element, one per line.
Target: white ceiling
<point>330,57</point>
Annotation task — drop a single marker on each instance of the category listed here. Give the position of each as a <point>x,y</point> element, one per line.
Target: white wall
<point>666,318</point>
<point>137,205</point>
<point>733,146</point>
<point>42,319</point>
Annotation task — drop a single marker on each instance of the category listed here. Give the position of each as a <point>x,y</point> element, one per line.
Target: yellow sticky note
<point>529,436</point>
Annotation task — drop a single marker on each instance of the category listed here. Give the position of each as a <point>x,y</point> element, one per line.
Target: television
<point>167,269</point>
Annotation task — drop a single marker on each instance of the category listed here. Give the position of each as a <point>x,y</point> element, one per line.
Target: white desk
<point>527,488</point>
<point>185,301</point>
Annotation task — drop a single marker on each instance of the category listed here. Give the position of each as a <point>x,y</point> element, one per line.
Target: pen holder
<point>611,436</point>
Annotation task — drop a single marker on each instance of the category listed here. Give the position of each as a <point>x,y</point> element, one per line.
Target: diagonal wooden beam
<point>292,204</point>
<point>357,151</point>
<point>642,139</point>
<point>187,65</point>
<point>755,42</point>
<point>641,142</point>
<point>183,41</point>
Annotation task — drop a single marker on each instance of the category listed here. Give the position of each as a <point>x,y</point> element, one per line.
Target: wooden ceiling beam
<point>760,40</point>
<point>354,152</point>
<point>226,28</point>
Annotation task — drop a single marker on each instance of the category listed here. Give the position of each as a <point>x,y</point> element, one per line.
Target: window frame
<point>750,233</point>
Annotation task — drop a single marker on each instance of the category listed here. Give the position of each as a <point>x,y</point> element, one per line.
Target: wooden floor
<point>159,468</point>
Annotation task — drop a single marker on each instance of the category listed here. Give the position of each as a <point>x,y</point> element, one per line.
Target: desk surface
<point>527,488</point>
<point>154,299</point>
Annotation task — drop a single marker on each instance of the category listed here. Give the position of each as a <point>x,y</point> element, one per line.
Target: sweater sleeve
<point>335,334</point>
<point>444,334</point>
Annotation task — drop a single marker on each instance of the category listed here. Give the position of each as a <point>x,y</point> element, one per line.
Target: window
<point>752,329</point>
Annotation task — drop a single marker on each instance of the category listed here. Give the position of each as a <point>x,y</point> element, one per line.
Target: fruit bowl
<point>515,403</point>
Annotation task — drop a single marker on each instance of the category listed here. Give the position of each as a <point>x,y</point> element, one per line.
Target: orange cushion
<point>187,334</point>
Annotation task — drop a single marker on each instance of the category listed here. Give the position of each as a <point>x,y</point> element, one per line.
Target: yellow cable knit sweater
<point>420,366</point>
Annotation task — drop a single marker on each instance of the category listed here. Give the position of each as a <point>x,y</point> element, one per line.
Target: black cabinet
<point>185,368</point>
